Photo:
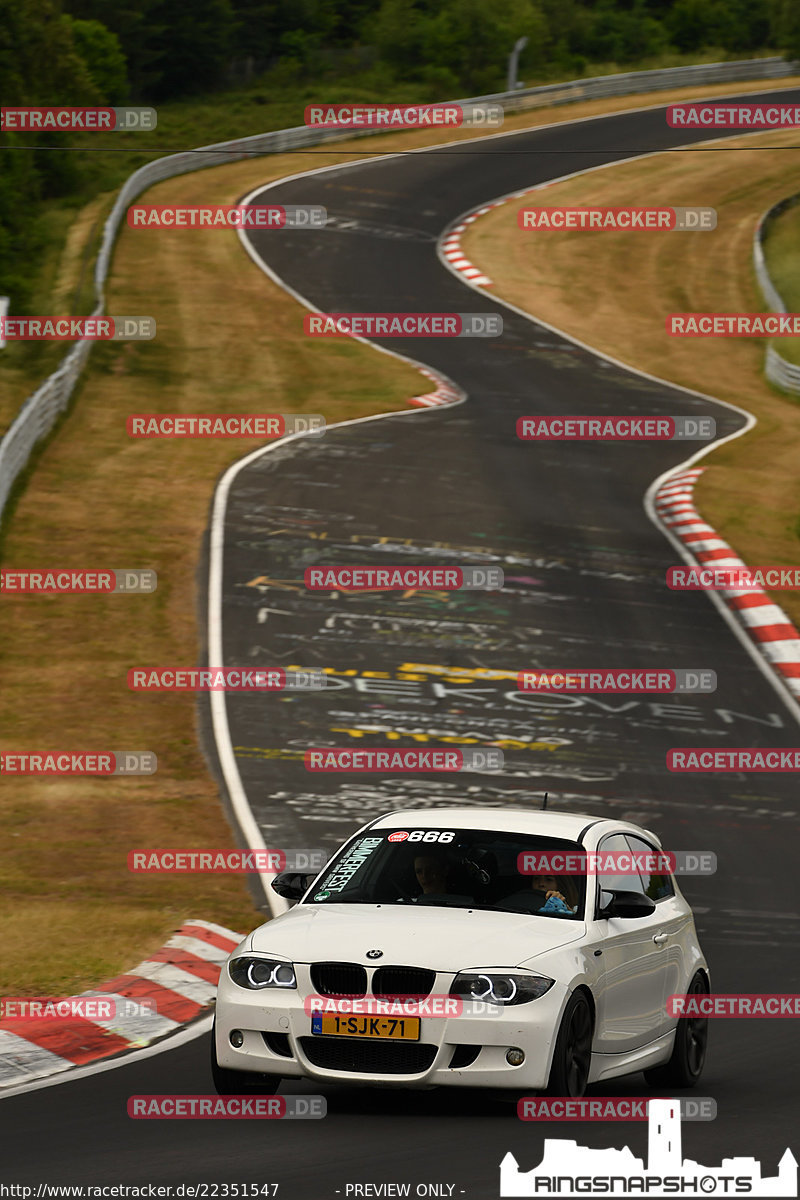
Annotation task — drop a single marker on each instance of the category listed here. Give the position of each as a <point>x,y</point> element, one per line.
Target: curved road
<point>584,587</point>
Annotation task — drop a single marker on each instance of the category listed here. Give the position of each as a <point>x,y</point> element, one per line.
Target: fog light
<point>515,1057</point>
<point>236,1038</point>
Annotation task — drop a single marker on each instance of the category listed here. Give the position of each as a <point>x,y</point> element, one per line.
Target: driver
<point>433,872</point>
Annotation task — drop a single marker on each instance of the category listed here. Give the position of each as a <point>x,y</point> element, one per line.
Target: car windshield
<point>454,868</point>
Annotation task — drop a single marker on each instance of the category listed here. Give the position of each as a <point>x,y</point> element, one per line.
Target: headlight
<point>258,973</point>
<point>500,987</point>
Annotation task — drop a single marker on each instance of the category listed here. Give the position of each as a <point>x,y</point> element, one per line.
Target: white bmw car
<point>532,982</point>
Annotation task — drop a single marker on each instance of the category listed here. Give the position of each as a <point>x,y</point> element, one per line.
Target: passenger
<point>545,886</point>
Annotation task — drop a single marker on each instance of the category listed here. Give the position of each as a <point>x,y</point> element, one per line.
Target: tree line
<point>154,51</point>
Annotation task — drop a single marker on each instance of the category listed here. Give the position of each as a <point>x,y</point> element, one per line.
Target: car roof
<point>550,823</point>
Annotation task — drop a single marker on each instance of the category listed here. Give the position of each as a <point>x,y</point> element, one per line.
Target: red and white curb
<point>165,992</point>
<point>443,394</point>
<point>766,624</point>
<point>451,247</point>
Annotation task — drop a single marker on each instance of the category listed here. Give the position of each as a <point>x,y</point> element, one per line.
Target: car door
<point>631,987</point>
<point>674,925</point>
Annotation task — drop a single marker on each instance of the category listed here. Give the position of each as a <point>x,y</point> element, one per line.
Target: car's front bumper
<point>444,1055</point>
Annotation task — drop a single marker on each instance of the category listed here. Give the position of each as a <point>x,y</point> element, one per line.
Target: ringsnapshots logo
<point>738,325</point>
<point>733,116</point>
<point>224,861</point>
<point>567,1169</point>
<point>618,218</point>
<point>48,119</point>
<point>618,682</point>
<point>608,1108</point>
<point>227,216</point>
<point>403,116</point>
<point>224,679</point>
<point>81,762</point>
<point>77,329</point>
<point>224,425</point>
<point>395,579</point>
<point>738,578</point>
<point>415,325</point>
<point>394,760</point>
<point>226,1108</point>
<point>696,759</point>
<point>616,429</point>
<point>54,581</point>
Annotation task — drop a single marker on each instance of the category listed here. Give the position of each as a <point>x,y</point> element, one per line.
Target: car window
<point>607,880</point>
<point>457,868</point>
<point>657,885</point>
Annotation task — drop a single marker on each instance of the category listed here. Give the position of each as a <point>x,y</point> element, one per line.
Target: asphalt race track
<point>585,587</point>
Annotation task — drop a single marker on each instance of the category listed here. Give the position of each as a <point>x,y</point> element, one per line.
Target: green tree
<point>100,50</point>
<point>785,28</point>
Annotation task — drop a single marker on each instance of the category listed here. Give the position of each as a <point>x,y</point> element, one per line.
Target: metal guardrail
<point>777,369</point>
<point>40,411</point>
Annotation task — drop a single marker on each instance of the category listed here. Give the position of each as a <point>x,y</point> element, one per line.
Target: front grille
<point>278,1043</point>
<point>339,979</point>
<point>356,1054</point>
<point>403,983</point>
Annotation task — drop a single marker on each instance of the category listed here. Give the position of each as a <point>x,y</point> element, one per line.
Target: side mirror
<point>625,904</point>
<point>293,885</point>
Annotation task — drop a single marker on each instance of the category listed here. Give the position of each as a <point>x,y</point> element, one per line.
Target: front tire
<point>572,1056</point>
<point>688,1057</point>
<point>239,1083</point>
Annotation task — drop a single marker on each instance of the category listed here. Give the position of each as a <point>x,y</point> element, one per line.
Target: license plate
<point>404,1029</point>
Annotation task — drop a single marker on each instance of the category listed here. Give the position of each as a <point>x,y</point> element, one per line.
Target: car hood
<point>441,939</point>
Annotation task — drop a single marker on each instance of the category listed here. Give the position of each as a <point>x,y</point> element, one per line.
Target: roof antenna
<point>544,802</point>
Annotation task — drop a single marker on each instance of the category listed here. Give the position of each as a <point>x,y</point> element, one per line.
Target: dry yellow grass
<point>96,498</point>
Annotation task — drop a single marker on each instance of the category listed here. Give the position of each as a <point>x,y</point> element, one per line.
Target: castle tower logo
<point>568,1169</point>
